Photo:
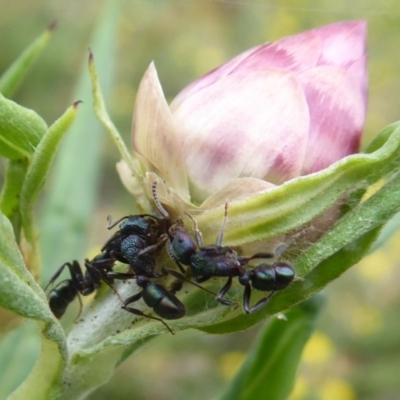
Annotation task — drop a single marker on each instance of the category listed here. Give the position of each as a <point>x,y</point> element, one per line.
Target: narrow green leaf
<point>44,376</point>
<point>20,130</point>
<point>36,175</point>
<point>18,353</point>
<point>270,368</point>
<point>72,190</point>
<point>102,114</point>
<point>387,232</point>
<point>12,78</point>
<point>11,190</point>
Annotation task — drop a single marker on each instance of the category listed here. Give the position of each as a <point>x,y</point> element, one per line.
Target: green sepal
<point>20,130</point>
<point>270,368</point>
<point>12,78</point>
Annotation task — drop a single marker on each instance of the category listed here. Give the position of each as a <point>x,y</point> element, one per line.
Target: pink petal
<point>209,78</point>
<point>343,43</point>
<point>337,114</point>
<point>296,53</point>
<point>243,125</point>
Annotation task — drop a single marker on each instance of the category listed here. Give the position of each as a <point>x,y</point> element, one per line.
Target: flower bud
<point>277,111</point>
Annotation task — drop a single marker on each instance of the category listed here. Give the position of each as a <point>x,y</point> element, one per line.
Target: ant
<point>223,261</point>
<point>137,229</point>
<point>137,243</point>
<point>66,291</point>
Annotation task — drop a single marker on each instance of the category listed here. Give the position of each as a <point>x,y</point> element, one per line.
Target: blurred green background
<point>355,352</point>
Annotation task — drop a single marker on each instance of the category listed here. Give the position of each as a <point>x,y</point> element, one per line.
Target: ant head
<point>182,244</point>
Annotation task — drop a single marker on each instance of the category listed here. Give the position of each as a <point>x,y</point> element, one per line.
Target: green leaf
<point>19,291</point>
<point>36,175</point>
<point>330,268</point>
<point>18,353</point>
<point>9,199</point>
<point>300,200</point>
<point>270,368</point>
<point>20,130</point>
<point>102,114</point>
<point>73,187</point>
<point>12,78</point>
<point>387,232</point>
<point>106,334</point>
<point>44,376</point>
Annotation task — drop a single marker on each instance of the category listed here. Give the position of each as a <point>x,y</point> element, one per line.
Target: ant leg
<point>80,308</point>
<point>154,247</point>
<point>55,276</point>
<point>102,275</point>
<point>245,260</point>
<point>135,311</point>
<point>181,277</point>
<point>120,275</point>
<point>171,253</point>
<point>75,272</point>
<point>113,238</point>
<point>223,291</point>
<point>202,279</point>
<point>258,305</point>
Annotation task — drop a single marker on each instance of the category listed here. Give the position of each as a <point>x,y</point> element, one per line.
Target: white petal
<point>153,134</point>
<point>237,189</point>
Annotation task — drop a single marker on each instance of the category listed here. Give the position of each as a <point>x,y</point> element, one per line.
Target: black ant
<point>66,291</point>
<point>223,261</point>
<point>137,243</point>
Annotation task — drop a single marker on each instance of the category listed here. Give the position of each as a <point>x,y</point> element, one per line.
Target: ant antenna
<point>157,202</point>
<point>113,224</point>
<point>221,231</point>
<point>197,233</point>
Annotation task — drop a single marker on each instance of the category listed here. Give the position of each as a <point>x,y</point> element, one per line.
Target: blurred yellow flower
<point>318,350</point>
